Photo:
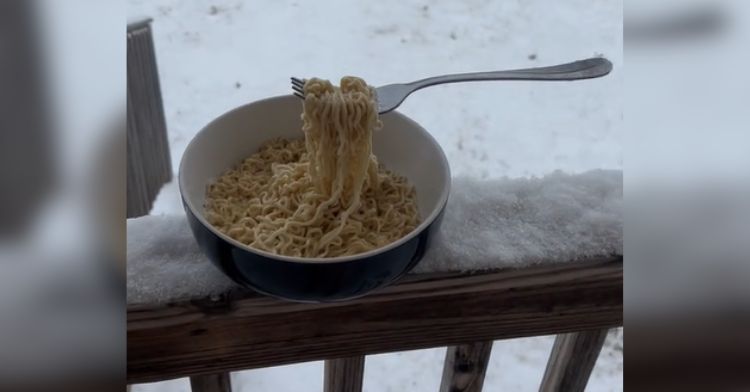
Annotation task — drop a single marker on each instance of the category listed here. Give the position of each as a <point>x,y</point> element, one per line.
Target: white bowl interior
<point>402,145</point>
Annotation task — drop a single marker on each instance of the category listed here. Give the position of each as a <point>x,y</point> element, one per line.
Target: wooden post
<point>572,360</point>
<point>149,163</point>
<point>218,382</point>
<point>465,367</point>
<point>344,374</point>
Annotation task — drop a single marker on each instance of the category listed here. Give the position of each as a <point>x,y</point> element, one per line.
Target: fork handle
<point>581,69</point>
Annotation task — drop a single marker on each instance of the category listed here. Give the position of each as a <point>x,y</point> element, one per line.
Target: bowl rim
<point>440,205</point>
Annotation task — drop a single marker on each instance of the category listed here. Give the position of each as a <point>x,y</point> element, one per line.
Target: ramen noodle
<point>321,196</point>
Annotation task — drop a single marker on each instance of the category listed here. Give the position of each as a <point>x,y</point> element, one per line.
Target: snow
<point>487,224</point>
<point>164,262</point>
<point>216,55</point>
<point>518,222</point>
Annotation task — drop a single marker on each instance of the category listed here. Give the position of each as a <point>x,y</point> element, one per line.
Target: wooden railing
<point>205,338</point>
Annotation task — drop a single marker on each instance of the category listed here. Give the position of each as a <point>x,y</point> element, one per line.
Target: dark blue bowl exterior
<point>312,282</point>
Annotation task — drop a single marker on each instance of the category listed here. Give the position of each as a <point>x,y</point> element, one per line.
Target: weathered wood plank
<point>465,367</point>
<point>217,382</point>
<point>149,162</point>
<point>243,330</point>
<point>572,360</point>
<point>344,374</point>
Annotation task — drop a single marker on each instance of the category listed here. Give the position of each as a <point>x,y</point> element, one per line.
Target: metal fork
<point>390,96</point>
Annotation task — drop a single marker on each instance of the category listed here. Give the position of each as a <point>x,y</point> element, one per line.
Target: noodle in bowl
<point>401,145</point>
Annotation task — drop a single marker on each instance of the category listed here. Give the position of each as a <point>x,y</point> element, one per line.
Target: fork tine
<point>298,86</point>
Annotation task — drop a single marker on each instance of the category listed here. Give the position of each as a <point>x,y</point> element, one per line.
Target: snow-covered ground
<point>216,55</point>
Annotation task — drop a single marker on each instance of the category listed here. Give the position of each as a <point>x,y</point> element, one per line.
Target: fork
<point>392,95</point>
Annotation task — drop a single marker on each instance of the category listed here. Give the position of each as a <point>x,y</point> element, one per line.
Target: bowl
<point>401,145</point>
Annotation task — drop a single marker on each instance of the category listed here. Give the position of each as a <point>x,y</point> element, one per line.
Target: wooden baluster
<point>572,360</point>
<point>344,374</point>
<point>465,367</point>
<point>218,382</point>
